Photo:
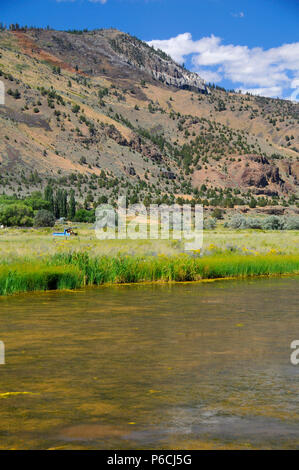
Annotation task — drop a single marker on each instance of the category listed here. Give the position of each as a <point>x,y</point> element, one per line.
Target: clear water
<point>191,366</point>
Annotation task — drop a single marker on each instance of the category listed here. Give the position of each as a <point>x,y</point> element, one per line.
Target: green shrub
<point>75,108</point>
<point>292,223</point>
<point>37,202</point>
<point>273,223</point>
<point>217,214</point>
<point>209,224</point>
<point>16,215</point>
<point>241,222</point>
<point>44,218</point>
<point>83,215</point>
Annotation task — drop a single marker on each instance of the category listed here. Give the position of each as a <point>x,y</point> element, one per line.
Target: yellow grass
<point>15,243</point>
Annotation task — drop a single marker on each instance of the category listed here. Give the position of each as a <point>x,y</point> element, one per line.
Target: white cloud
<point>272,92</point>
<point>209,76</point>
<point>238,15</point>
<point>183,45</point>
<point>295,94</point>
<point>272,69</point>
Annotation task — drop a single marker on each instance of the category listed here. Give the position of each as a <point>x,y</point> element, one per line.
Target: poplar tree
<point>72,205</point>
<point>49,197</point>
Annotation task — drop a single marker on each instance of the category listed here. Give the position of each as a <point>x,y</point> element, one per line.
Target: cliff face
<point>119,55</point>
<point>155,63</point>
<point>178,78</point>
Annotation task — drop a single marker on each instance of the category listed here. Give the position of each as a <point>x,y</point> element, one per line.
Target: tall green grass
<point>25,277</point>
<point>132,269</point>
<point>72,270</point>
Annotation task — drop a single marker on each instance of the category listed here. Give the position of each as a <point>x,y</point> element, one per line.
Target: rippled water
<point>194,366</point>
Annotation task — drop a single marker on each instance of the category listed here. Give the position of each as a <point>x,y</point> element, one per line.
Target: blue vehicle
<point>67,233</point>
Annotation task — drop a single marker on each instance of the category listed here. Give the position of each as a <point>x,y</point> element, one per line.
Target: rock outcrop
<point>260,173</point>
<point>119,54</point>
<point>156,63</point>
<point>250,172</point>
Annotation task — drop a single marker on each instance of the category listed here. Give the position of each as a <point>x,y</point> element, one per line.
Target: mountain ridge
<point>105,113</point>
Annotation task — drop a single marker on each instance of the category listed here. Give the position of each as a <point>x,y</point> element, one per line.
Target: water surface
<point>193,366</point>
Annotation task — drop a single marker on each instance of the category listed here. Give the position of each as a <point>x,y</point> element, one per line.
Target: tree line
<point>18,27</point>
<point>59,203</point>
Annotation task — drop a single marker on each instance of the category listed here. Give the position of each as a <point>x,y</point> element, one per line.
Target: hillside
<point>103,113</point>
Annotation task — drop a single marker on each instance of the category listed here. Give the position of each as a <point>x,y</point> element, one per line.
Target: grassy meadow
<point>30,259</point>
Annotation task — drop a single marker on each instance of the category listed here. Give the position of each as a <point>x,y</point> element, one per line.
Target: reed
<point>73,270</point>
<point>132,269</point>
<point>26,277</point>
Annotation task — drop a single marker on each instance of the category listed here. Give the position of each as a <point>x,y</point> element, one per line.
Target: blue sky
<point>251,44</point>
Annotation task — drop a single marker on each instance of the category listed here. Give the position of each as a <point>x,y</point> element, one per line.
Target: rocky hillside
<point>103,113</point>
<point>155,63</point>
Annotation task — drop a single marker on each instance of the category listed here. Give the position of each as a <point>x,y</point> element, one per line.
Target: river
<point>185,366</point>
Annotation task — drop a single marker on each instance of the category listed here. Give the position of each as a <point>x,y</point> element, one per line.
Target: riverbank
<point>75,270</point>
